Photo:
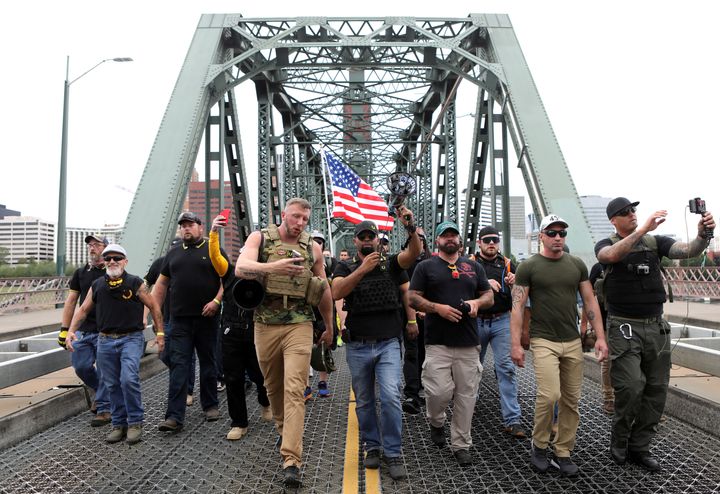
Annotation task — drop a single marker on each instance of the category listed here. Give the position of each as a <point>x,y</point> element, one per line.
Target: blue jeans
<point>497,334</point>
<point>188,334</point>
<point>119,362</point>
<point>165,356</point>
<point>382,363</point>
<point>83,360</point>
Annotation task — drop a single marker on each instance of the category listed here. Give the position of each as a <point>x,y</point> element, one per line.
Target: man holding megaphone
<point>290,266</point>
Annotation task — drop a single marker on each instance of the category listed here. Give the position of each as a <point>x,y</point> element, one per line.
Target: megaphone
<point>248,294</point>
<point>400,185</point>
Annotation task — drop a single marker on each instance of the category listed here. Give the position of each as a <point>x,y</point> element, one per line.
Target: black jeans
<point>239,356</point>
<point>413,361</point>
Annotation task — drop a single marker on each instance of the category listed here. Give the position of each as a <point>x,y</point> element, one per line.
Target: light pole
<point>61,244</point>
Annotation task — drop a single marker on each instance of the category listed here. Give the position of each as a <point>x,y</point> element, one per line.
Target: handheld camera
<point>697,206</point>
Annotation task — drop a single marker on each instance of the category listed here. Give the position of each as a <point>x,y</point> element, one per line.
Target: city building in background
<point>76,254</point>
<point>595,212</point>
<point>518,235</point>
<point>196,201</point>
<point>7,212</point>
<point>27,239</point>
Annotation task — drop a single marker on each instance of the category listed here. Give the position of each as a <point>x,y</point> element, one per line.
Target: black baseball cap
<point>366,226</point>
<point>189,216</point>
<point>488,230</point>
<point>617,205</point>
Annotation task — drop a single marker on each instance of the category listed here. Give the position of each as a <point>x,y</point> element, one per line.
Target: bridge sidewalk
<point>24,324</point>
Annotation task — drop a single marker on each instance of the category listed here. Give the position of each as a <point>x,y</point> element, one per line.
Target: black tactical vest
<point>637,278</point>
<point>376,292</point>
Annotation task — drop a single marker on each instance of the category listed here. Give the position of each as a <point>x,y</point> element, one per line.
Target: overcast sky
<point>630,89</point>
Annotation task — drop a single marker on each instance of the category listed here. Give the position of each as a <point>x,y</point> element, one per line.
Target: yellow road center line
<point>352,458</point>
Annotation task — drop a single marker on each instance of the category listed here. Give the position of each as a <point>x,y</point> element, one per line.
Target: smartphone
<point>297,256</point>
<point>226,214</point>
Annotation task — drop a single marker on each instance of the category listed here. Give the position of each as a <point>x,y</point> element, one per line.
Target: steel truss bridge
<point>380,93</point>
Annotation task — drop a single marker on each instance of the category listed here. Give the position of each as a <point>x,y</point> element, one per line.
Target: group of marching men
<point>448,304</point>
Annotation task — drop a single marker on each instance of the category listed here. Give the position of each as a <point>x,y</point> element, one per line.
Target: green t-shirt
<point>553,287</point>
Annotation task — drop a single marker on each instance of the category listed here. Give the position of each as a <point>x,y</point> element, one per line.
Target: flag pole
<point>327,204</point>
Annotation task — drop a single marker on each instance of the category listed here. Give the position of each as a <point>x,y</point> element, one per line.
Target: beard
<point>449,248</point>
<point>366,250</point>
<point>95,259</point>
<point>115,271</point>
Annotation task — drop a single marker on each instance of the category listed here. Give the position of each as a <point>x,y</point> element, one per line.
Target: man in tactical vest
<point>638,336</point>
<point>370,284</point>
<point>494,326</point>
<point>291,267</point>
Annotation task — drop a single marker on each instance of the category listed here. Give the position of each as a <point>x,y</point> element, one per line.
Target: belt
<point>115,336</point>
<point>491,317</point>
<point>371,341</point>
<point>645,320</point>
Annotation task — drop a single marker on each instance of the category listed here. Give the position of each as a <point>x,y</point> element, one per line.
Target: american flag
<point>353,199</point>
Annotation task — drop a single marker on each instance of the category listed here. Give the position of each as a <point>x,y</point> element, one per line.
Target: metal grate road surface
<point>73,457</point>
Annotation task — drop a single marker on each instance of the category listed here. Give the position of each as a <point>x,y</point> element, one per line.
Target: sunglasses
<point>555,233</point>
<point>490,240</point>
<point>625,211</point>
<point>366,237</point>
<point>114,258</point>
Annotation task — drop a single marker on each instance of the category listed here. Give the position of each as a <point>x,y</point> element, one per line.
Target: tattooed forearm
<point>682,250</point>
<point>248,274</point>
<point>519,295</point>
<point>419,303</point>
<point>590,315</point>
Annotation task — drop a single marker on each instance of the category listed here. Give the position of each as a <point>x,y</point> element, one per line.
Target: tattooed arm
<point>682,250</point>
<point>519,299</point>
<point>592,309</point>
<point>420,303</point>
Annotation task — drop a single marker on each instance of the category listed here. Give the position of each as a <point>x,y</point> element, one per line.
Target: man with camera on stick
<point>450,289</point>
<point>638,336</point>
<point>370,284</point>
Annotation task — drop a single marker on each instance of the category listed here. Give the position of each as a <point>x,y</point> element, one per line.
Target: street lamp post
<point>62,199</point>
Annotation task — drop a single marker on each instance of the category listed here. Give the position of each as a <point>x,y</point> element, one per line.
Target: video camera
<point>697,206</point>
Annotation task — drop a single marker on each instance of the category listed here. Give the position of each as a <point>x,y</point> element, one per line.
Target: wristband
<point>412,322</point>
<point>64,328</point>
<point>216,301</point>
<point>160,334</point>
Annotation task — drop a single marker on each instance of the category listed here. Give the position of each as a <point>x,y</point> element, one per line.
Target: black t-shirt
<point>496,269</point>
<point>434,279</point>
<point>381,324</point>
<point>193,280</point>
<point>632,308</point>
<point>81,281</point>
<point>119,310</point>
<point>151,278</point>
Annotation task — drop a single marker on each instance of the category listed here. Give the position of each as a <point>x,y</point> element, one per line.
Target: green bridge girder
<point>378,92</point>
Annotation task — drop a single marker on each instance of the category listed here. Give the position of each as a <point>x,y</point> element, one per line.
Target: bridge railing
<point>695,281</point>
<point>26,294</point>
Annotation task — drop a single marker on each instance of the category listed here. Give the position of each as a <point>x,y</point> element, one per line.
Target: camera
<point>697,206</point>
<point>639,269</point>
<point>464,307</point>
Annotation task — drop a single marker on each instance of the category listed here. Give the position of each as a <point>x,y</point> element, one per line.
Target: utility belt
<point>115,336</point>
<point>644,320</point>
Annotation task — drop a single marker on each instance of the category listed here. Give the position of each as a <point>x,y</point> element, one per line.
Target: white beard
<point>115,271</point>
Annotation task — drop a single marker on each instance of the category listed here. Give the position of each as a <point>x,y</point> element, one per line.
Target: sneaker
<point>516,431</point>
<point>437,436</point>
<point>170,425</point>
<point>266,414</point>
<point>189,400</point>
<point>134,434</point>
<point>221,386</point>
<point>308,393</point>
<point>100,419</point>
<point>609,407</point>
<point>372,459</point>
<point>116,435</point>
<point>212,414</point>
<point>463,457</point>
<point>291,476</point>
<point>323,392</point>
<point>538,458</point>
<point>396,468</point>
<point>411,406</point>
<point>565,465</point>
<point>236,433</point>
